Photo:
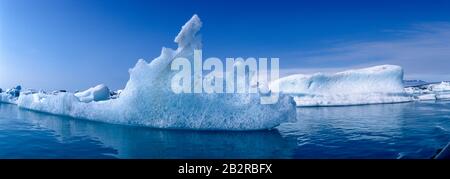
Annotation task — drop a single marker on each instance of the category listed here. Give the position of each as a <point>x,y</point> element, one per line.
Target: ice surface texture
<point>378,84</point>
<point>148,100</point>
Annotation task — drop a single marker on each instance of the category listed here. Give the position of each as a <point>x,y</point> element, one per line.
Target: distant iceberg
<point>147,99</point>
<point>440,87</point>
<point>7,98</point>
<point>374,85</point>
<point>10,95</point>
<point>433,91</point>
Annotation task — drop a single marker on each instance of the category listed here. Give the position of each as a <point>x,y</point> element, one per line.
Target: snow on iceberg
<point>98,93</point>
<point>374,85</point>
<point>148,100</point>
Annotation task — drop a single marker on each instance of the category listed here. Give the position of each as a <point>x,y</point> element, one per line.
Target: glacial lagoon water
<point>404,130</point>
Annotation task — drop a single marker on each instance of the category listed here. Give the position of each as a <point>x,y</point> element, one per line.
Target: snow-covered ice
<point>98,93</point>
<point>374,85</point>
<point>148,100</point>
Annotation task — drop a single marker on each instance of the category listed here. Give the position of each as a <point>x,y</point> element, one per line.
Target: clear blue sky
<point>75,44</point>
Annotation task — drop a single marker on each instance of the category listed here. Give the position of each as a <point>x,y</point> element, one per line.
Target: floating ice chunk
<point>148,100</point>
<point>98,93</point>
<point>378,84</point>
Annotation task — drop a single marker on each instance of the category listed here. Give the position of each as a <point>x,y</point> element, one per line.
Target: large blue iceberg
<point>147,99</point>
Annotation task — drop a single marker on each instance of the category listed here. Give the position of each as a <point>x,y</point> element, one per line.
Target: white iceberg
<point>374,85</point>
<point>98,93</point>
<point>148,100</point>
<point>435,91</point>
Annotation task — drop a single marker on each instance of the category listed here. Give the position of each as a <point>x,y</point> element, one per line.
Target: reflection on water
<point>140,142</point>
<point>407,130</point>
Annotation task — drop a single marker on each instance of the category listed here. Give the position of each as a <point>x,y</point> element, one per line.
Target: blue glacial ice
<point>147,99</point>
<point>374,85</point>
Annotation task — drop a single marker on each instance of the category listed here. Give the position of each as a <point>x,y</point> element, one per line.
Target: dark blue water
<point>408,130</point>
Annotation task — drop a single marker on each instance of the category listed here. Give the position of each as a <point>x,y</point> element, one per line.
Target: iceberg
<point>434,91</point>
<point>10,95</point>
<point>6,98</point>
<point>374,85</point>
<point>147,99</point>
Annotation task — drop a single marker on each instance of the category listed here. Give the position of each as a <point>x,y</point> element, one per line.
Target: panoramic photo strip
<point>218,87</point>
